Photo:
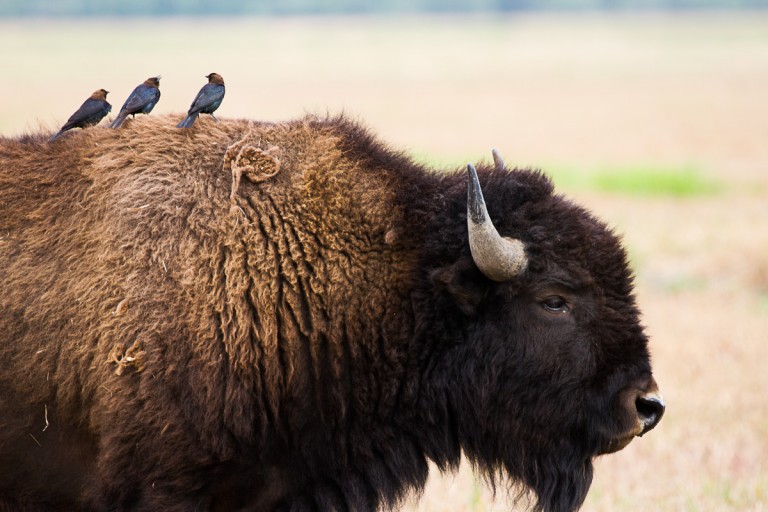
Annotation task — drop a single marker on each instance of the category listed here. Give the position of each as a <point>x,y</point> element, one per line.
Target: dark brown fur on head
<point>99,94</point>
<point>215,78</point>
<point>153,81</point>
<point>287,317</point>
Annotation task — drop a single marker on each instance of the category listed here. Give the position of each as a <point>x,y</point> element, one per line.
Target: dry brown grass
<point>547,91</point>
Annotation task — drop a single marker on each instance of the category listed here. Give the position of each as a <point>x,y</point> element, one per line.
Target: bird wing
<point>209,94</point>
<point>140,96</point>
<point>89,109</point>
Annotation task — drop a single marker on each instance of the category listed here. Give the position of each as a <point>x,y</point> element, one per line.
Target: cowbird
<point>90,113</point>
<point>207,100</point>
<point>141,101</point>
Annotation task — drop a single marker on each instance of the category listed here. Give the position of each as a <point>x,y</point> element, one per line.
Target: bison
<point>295,317</point>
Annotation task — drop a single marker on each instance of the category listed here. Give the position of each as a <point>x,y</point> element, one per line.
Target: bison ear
<point>463,283</point>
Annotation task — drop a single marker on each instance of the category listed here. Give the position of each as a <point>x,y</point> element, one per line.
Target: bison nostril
<point>650,409</point>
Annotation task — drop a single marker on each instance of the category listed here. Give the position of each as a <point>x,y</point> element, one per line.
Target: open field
<point>657,123</point>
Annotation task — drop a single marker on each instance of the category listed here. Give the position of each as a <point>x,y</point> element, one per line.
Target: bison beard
<point>288,317</point>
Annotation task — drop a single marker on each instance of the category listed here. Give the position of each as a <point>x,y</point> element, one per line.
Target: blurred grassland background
<point>655,120</point>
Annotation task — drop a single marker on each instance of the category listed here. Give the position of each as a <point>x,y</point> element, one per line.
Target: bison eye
<point>555,304</point>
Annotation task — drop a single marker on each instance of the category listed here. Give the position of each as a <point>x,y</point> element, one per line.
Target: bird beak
<point>159,77</point>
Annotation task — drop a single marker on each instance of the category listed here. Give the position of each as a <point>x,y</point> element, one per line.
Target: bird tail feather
<point>118,122</point>
<point>188,121</point>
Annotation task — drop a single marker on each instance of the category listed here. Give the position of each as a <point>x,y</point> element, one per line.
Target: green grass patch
<point>762,303</point>
<point>633,180</point>
<point>476,498</point>
<point>639,180</point>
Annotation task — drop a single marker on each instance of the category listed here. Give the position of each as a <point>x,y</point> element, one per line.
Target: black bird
<point>207,100</point>
<point>141,101</point>
<point>90,113</point>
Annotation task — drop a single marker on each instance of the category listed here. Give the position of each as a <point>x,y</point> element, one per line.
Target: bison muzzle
<point>294,317</point>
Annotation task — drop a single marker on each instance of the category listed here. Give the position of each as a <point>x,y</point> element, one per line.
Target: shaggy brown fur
<point>286,317</point>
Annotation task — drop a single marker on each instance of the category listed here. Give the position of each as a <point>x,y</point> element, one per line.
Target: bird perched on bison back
<point>207,100</point>
<point>90,113</point>
<point>141,101</point>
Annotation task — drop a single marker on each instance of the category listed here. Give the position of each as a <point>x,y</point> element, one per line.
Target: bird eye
<point>555,304</point>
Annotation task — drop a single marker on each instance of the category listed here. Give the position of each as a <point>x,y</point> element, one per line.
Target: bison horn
<point>499,258</point>
<point>497,160</point>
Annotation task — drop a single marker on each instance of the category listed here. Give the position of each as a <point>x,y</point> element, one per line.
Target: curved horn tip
<point>475,202</point>
<point>497,160</point>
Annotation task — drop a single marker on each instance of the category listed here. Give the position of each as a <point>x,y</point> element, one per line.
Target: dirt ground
<point>586,92</point>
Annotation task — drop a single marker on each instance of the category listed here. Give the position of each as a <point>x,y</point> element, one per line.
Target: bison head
<point>554,367</point>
